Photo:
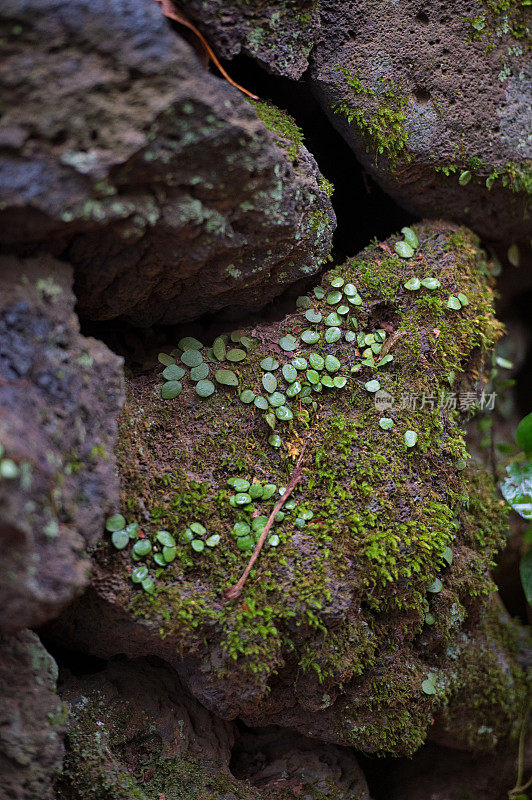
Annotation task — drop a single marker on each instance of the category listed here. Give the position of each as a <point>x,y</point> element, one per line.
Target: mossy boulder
<point>32,719</point>
<point>157,180</point>
<point>135,734</point>
<point>360,616</point>
<point>60,397</point>
<point>443,129</point>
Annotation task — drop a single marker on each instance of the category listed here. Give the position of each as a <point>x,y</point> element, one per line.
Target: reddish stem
<point>169,11</point>
<point>232,592</point>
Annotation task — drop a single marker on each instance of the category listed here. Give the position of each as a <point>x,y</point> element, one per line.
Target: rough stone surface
<point>155,179</point>
<point>278,34</point>
<point>32,719</point>
<point>273,758</point>
<point>433,95</point>
<point>60,396</point>
<point>136,734</point>
<point>340,625</point>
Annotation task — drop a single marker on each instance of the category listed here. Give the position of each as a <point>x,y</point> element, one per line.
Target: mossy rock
<point>442,130</point>
<point>33,719</point>
<point>136,735</point>
<point>331,633</point>
<point>278,34</point>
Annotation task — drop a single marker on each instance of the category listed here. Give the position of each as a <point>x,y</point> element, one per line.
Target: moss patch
<point>383,121</point>
<point>289,134</point>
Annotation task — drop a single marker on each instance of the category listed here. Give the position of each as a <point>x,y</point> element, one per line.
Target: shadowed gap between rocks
<point>362,209</point>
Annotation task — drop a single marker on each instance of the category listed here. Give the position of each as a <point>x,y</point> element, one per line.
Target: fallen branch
<point>232,592</point>
<point>169,11</point>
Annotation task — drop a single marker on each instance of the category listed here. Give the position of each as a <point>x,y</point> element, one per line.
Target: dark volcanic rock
<point>273,758</point>
<point>355,608</point>
<point>32,719</point>
<point>156,180</point>
<point>60,396</point>
<point>424,97</point>
<point>135,733</point>
<point>278,34</point>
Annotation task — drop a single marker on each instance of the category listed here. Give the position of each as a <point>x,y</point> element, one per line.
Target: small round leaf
<point>173,372</point>
<point>199,373</point>
<point>205,388</point>
<point>269,364</point>
<point>404,250</point>
<point>120,539</point>
<point>386,423</point>
<point>288,343</point>
<point>247,396</point>
<point>431,283</point>
<point>226,377</point>
<point>192,358</point>
<point>115,523</point>
<point>235,354</point>
<point>171,389</point>
<point>410,438</point>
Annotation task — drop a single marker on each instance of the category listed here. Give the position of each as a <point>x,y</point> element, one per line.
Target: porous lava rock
<point>158,181</point>
<point>60,397</point>
<point>279,35</point>
<point>135,733</point>
<point>32,719</point>
<point>435,100</point>
<point>275,758</point>
<point>371,608</point>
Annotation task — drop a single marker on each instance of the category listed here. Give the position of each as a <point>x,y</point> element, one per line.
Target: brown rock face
<point>423,96</point>
<point>272,758</point>
<point>135,733</point>
<point>279,35</point>
<point>154,179</point>
<point>60,394</point>
<point>32,719</point>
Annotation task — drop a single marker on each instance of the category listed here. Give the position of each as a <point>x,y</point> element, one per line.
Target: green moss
<point>382,514</point>
<point>108,759</point>
<point>289,135</point>
<point>500,18</point>
<point>327,187</point>
<point>90,769</point>
<point>390,714</point>
<point>381,118</point>
<point>487,693</point>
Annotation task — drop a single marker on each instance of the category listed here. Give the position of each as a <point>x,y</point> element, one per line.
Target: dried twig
<point>389,344</point>
<point>232,592</point>
<point>170,12</point>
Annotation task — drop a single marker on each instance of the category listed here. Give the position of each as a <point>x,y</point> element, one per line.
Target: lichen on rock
<point>33,719</point>
<point>444,130</point>
<point>164,190</point>
<point>278,34</point>
<point>60,397</point>
<point>351,629</point>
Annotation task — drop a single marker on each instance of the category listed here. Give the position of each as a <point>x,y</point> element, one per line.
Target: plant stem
<point>170,12</point>
<point>232,592</point>
<point>519,786</point>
